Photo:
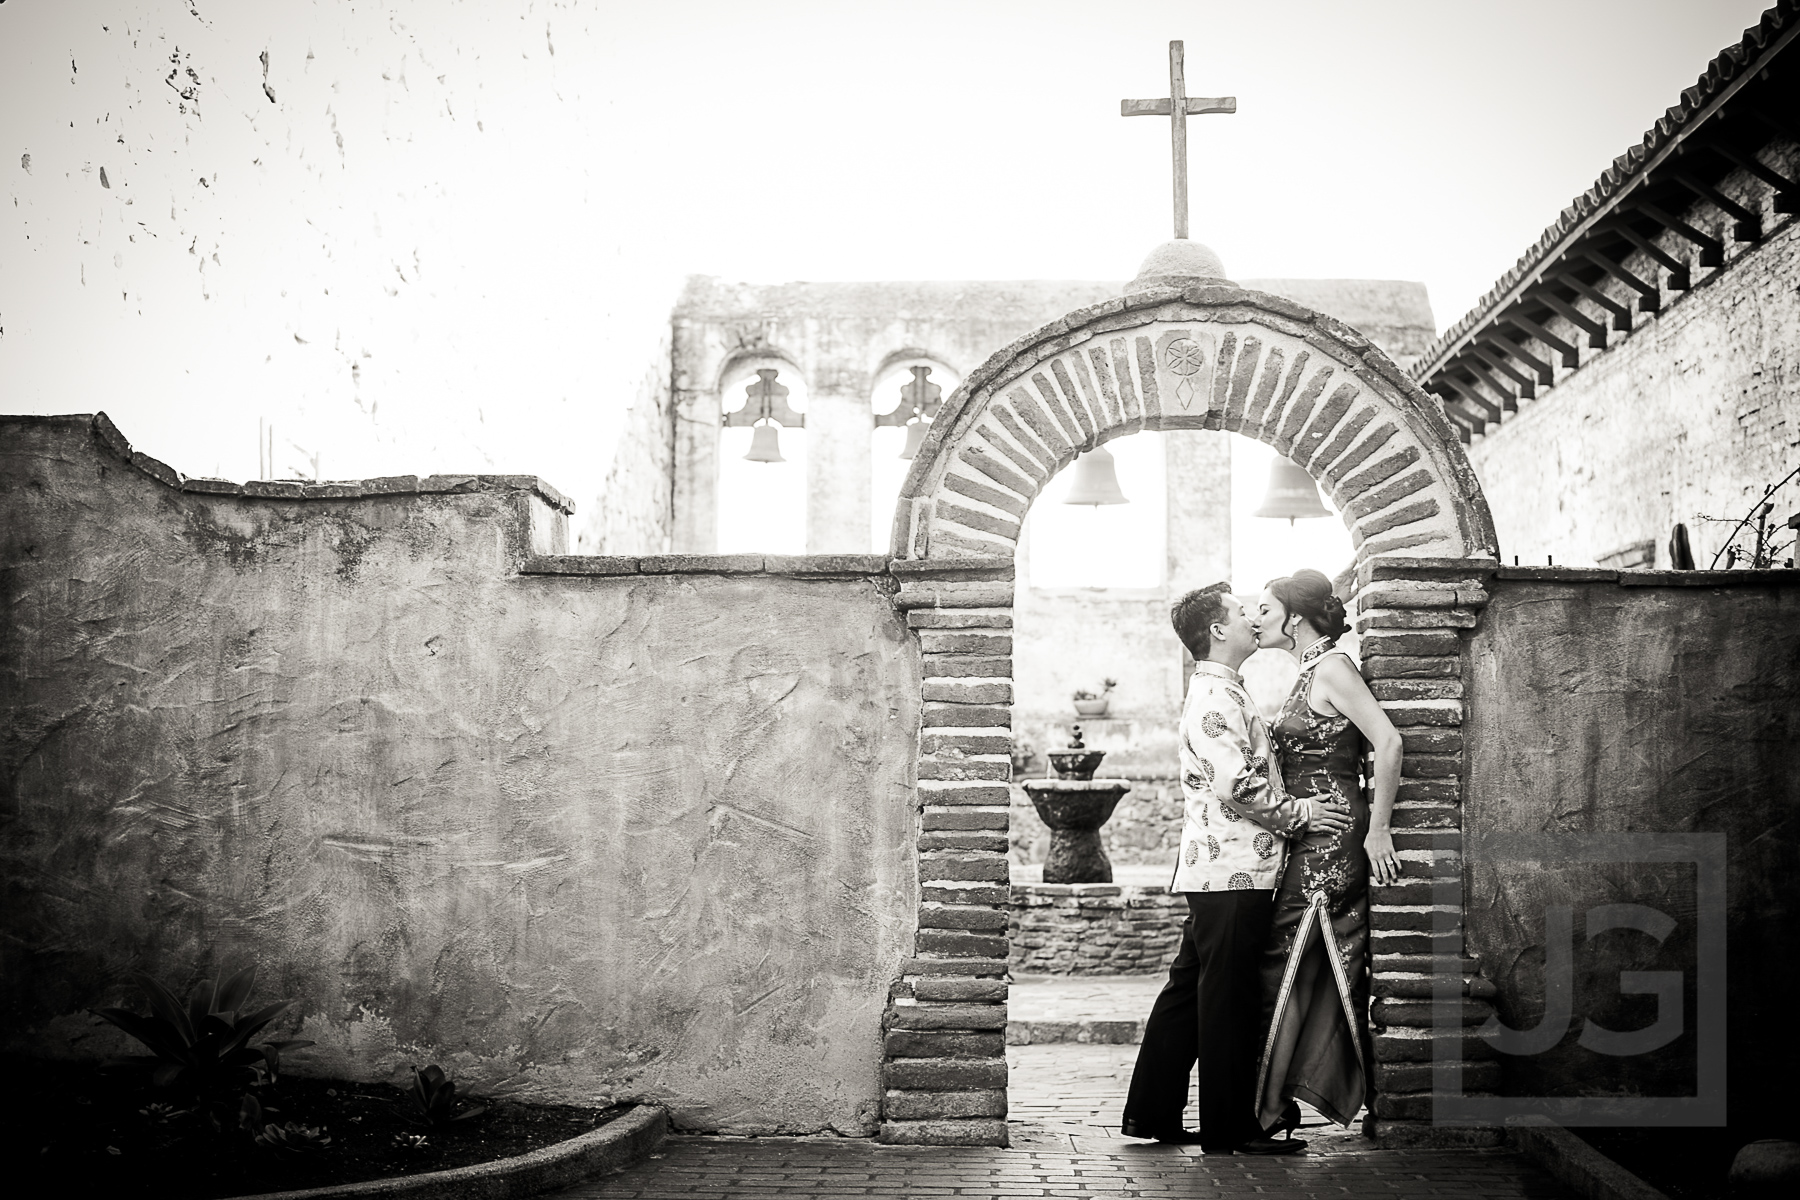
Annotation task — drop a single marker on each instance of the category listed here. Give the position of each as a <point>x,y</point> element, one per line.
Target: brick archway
<point>1212,357</point>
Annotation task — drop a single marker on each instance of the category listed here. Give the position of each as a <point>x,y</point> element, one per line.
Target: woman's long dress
<point>1315,971</point>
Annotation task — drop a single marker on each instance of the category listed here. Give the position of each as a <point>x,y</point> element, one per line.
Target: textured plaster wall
<point>1602,708</point>
<point>1695,413</point>
<point>584,838</point>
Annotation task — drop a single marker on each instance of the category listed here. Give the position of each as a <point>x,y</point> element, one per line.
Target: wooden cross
<point>1180,106</point>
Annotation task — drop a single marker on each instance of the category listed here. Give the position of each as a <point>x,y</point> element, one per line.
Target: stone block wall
<point>1694,413</point>
<point>1094,928</point>
<point>1145,829</point>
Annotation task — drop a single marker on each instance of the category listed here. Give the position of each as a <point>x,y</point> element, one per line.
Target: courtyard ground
<point>1065,1100</point>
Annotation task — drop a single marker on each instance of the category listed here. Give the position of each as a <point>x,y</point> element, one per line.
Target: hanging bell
<point>915,437</point>
<point>1096,480</point>
<point>1292,493</point>
<point>765,445</point>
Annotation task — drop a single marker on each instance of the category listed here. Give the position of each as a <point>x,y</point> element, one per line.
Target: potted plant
<point>1094,704</point>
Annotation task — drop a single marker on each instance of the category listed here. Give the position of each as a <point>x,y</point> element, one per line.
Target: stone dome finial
<point>1179,263</point>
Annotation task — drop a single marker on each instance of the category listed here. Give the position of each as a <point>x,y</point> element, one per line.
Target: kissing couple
<point>1284,824</point>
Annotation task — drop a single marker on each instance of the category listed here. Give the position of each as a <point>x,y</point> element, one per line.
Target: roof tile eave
<point>1726,66</point>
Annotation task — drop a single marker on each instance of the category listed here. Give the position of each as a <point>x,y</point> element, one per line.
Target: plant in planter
<point>203,1047</point>
<point>432,1099</point>
<point>1094,704</point>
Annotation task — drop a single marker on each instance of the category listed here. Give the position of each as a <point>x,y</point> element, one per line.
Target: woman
<point>1315,972</point>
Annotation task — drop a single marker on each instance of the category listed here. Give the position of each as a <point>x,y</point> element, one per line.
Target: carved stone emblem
<point>1184,358</point>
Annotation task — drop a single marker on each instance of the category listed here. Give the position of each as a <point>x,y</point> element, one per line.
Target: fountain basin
<point>1075,809</point>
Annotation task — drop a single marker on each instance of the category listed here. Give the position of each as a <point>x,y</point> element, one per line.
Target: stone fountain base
<point>1075,809</point>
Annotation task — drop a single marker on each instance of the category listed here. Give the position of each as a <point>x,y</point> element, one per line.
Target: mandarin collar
<point>1317,650</point>
<point>1207,666</point>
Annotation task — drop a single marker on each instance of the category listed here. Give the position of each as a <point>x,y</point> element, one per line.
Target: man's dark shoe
<point>1267,1145</point>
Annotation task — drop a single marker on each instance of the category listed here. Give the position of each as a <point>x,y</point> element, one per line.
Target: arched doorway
<point>1207,357</point>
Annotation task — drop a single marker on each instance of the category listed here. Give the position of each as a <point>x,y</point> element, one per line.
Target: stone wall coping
<point>1445,569</point>
<point>1740,578</point>
<point>1090,889</point>
<point>301,489</point>
<point>803,566</point>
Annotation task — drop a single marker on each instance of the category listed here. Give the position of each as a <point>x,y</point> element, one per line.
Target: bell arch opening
<point>1380,449</point>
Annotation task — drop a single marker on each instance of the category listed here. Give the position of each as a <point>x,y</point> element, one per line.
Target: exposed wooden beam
<point>1596,330</point>
<point>1571,357</point>
<point>1509,401</point>
<point>1649,295</point>
<point>1785,189</point>
<point>1779,126</point>
<point>1527,385</point>
<point>1712,250</point>
<point>1679,279</point>
<point>1480,403</point>
<point>1621,313</point>
<point>1746,226</point>
<point>1506,345</point>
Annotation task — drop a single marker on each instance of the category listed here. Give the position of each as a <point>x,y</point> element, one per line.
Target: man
<point>1233,839</point>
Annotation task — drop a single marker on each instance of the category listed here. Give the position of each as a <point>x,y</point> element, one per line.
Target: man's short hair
<point>1194,615</point>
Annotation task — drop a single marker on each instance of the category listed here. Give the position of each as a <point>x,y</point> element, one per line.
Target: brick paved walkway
<point>1065,1101</point>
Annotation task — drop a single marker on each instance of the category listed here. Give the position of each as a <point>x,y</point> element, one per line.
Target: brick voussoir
<point>970,1017</point>
<point>958,793</point>
<point>1421,712</point>
<point>944,1074</point>
<point>966,742</point>
<point>945,769</point>
<point>981,622</point>
<point>1409,689</point>
<point>956,941</point>
<point>990,840</point>
<point>962,641</point>
<point>970,865</point>
<point>1437,643</point>
<point>967,666</point>
<point>931,1043</point>
<point>1411,666</point>
<point>903,1106</point>
<point>965,820</point>
<point>1374,619</point>
<point>947,715</point>
<point>970,692</point>
<point>961,916</point>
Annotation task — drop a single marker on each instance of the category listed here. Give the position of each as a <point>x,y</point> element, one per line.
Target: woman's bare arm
<point>1337,684</point>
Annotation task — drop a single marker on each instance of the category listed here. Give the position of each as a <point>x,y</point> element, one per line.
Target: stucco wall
<point>582,837</point>
<point>1694,413</point>
<point>1598,707</point>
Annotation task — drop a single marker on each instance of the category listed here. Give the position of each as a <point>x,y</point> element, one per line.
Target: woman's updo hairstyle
<point>1307,593</point>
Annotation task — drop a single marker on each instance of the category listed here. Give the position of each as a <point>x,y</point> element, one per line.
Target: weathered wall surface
<point>582,837</point>
<point>635,508</point>
<point>1598,707</point>
<point>1695,413</point>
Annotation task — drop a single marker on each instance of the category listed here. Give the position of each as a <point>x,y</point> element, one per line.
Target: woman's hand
<point>1384,864</point>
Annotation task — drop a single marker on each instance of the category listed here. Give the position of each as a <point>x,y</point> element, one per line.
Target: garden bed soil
<point>95,1132</point>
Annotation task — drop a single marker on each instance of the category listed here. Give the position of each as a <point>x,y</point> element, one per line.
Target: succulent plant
<point>433,1099</point>
<point>291,1137</point>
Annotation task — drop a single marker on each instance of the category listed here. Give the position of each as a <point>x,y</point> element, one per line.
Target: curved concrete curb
<point>612,1147</point>
<point>1578,1165</point>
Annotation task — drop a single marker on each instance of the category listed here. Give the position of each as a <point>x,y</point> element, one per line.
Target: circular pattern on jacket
<point>1213,724</point>
<point>1193,853</point>
<point>1240,882</point>
<point>1206,769</point>
<point>1259,765</point>
<point>1212,849</point>
<point>1265,844</point>
<point>1238,696</point>
<point>1230,813</point>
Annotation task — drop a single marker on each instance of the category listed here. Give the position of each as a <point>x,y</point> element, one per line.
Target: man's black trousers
<point>1208,1012</point>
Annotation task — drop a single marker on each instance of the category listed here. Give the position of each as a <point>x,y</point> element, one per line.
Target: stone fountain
<point>1075,805</point>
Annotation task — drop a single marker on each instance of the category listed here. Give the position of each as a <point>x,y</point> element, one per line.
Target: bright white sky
<point>451,240</point>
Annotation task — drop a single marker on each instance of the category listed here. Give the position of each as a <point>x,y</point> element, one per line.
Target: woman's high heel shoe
<point>1290,1121</point>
